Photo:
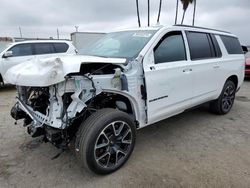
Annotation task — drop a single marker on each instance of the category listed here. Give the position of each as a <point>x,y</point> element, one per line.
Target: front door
<point>21,53</point>
<point>168,77</point>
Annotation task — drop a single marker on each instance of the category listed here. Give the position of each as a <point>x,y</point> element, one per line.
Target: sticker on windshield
<point>144,35</point>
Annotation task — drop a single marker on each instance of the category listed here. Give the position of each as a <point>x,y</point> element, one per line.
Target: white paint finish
<point>7,63</point>
<point>173,82</point>
<point>49,71</point>
<point>178,85</point>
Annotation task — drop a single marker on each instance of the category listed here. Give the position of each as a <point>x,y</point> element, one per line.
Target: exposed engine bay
<point>55,112</point>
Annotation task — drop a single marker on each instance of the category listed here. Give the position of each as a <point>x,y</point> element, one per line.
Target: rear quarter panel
<point>230,64</point>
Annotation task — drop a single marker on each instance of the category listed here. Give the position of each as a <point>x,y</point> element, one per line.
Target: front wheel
<point>106,140</point>
<point>226,99</point>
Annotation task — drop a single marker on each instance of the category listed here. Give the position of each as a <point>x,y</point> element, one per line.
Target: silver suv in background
<point>27,50</point>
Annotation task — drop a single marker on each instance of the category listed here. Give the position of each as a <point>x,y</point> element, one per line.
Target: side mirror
<point>245,49</point>
<point>8,54</point>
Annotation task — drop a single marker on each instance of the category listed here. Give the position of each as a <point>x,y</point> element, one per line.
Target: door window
<point>232,45</point>
<point>170,48</point>
<point>61,47</point>
<point>21,50</point>
<point>200,45</point>
<point>44,48</point>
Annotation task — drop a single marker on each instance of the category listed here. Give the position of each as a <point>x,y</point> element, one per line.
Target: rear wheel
<point>226,100</point>
<point>1,80</point>
<point>106,140</point>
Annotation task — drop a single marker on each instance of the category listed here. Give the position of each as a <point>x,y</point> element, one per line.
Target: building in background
<point>82,39</point>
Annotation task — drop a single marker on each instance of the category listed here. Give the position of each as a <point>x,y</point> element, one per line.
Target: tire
<point>225,101</point>
<point>106,140</point>
<point>1,80</point>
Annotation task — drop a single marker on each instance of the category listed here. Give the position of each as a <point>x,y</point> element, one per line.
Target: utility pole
<point>57,31</point>
<point>20,31</point>
<point>159,13</point>
<point>138,13</point>
<point>148,13</point>
<point>76,28</point>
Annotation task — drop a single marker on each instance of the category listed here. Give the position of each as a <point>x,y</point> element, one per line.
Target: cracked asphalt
<point>193,149</point>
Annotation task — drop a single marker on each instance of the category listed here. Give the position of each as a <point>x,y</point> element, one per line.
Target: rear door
<point>205,56</point>
<point>168,77</point>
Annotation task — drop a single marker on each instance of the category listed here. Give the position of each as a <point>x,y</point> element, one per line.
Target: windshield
<point>125,44</point>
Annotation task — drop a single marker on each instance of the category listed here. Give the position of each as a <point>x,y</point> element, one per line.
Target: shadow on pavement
<point>7,88</point>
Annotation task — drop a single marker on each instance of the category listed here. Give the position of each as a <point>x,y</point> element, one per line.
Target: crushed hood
<point>49,71</point>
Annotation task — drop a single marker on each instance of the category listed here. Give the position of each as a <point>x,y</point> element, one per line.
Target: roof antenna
<point>138,13</point>
<point>159,13</point>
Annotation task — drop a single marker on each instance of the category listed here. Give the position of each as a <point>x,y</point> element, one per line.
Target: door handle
<point>187,70</point>
<point>152,68</point>
<point>216,66</point>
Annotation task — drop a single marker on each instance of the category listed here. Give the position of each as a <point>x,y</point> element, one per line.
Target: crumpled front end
<point>51,110</point>
<point>56,108</point>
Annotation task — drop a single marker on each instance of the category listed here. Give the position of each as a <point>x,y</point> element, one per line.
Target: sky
<point>43,18</point>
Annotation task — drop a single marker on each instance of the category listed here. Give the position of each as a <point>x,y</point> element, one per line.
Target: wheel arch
<point>234,79</point>
<point>130,101</point>
<point>1,79</point>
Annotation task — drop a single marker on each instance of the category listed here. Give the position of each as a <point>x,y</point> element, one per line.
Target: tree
<point>159,13</point>
<point>138,14</point>
<point>185,4</point>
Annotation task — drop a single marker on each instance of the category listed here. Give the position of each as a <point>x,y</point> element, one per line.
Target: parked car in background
<point>125,81</point>
<point>5,42</point>
<point>23,51</point>
<point>247,68</point>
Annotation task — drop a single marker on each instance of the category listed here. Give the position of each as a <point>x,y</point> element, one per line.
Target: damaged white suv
<point>125,81</point>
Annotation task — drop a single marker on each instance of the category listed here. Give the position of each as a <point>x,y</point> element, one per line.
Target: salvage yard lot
<point>195,149</point>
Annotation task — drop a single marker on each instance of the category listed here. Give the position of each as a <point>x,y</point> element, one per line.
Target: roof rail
<point>202,28</point>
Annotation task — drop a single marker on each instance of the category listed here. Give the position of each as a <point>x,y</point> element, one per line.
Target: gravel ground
<point>193,149</point>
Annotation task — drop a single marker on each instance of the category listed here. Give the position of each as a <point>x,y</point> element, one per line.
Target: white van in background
<point>23,51</point>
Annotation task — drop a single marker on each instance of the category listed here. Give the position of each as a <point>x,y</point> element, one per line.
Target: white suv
<point>23,51</point>
<point>125,81</point>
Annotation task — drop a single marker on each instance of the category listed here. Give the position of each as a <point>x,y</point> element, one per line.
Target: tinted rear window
<point>199,45</point>
<point>61,47</point>
<point>232,45</point>
<point>43,48</point>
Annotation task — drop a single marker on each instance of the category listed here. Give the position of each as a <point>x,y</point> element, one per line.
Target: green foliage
<point>185,3</point>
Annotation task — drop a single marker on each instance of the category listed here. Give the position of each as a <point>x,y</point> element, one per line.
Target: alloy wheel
<point>113,144</point>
